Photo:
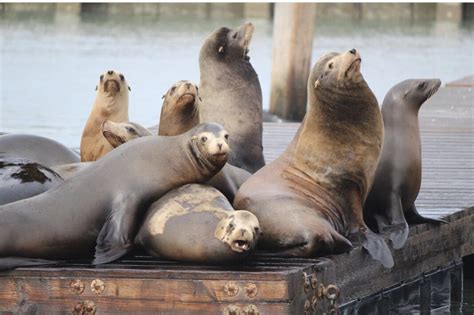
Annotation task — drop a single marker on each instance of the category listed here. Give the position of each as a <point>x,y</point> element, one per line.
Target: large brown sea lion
<point>101,206</point>
<point>197,223</point>
<point>391,202</point>
<point>309,201</point>
<point>22,178</point>
<point>111,103</point>
<point>231,93</point>
<point>44,151</point>
<point>180,109</point>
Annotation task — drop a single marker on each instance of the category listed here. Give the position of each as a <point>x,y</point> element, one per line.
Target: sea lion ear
<point>129,88</point>
<point>163,97</point>
<point>221,50</point>
<point>316,84</point>
<point>96,87</point>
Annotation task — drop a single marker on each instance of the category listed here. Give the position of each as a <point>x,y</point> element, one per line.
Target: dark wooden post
<point>293,32</point>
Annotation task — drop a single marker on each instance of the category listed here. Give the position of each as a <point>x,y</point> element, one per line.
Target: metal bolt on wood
<point>78,309</point>
<point>231,288</point>
<point>97,286</point>
<point>77,286</point>
<point>89,307</point>
<point>251,290</point>
<point>307,283</point>
<point>232,310</point>
<point>250,310</point>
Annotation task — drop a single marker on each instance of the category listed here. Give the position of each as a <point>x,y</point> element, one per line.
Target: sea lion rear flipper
<point>375,245</point>
<point>8,263</point>
<point>392,223</point>
<point>116,236</point>
<point>414,217</point>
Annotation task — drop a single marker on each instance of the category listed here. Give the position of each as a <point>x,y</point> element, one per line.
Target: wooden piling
<point>293,32</point>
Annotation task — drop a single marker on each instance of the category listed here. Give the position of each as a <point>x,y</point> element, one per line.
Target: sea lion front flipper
<point>116,236</point>
<point>414,217</point>
<point>8,263</point>
<point>375,245</point>
<point>393,223</point>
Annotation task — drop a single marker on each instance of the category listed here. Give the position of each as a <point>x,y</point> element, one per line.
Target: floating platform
<point>351,283</point>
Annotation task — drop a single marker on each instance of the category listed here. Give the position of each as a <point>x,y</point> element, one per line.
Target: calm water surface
<point>50,63</point>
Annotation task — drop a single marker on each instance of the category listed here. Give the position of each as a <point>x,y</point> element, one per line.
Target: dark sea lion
<point>309,201</point>
<point>180,109</point>
<point>44,151</point>
<point>197,223</point>
<point>391,202</point>
<point>22,178</point>
<point>111,103</point>
<point>101,206</point>
<point>231,93</point>
<point>116,134</point>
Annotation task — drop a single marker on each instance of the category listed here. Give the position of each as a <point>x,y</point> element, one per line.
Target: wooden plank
<point>293,32</point>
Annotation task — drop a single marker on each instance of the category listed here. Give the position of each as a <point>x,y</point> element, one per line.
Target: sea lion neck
<point>219,73</point>
<point>112,105</point>
<point>205,167</point>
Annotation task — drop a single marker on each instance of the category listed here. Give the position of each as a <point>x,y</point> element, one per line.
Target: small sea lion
<point>116,134</point>
<point>44,151</point>
<point>390,205</point>
<point>180,109</point>
<point>309,201</point>
<point>101,206</point>
<point>231,93</point>
<point>196,223</point>
<point>111,103</point>
<point>22,178</point>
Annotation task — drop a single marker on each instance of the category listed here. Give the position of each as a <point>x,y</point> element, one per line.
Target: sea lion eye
<point>131,130</point>
<point>122,78</point>
<point>235,36</point>
<point>204,139</point>
<point>421,85</point>
<point>330,65</point>
<point>226,136</point>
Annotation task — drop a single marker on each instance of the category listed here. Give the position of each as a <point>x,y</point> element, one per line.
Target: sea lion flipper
<point>115,238</point>
<point>393,223</point>
<point>414,217</point>
<point>8,263</point>
<point>375,245</point>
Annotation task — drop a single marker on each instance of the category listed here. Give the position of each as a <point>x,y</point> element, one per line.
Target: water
<point>51,62</point>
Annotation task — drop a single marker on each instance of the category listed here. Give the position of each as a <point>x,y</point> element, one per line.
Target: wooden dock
<point>271,285</point>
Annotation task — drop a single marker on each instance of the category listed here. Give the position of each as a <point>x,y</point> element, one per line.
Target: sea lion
<point>309,201</point>
<point>180,109</point>
<point>231,93</point>
<point>44,151</point>
<point>197,223</point>
<point>100,207</point>
<point>116,134</point>
<point>22,178</point>
<point>391,201</point>
<point>111,103</point>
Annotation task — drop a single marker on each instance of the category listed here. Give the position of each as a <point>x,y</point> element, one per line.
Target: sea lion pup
<point>111,103</point>
<point>180,109</point>
<point>390,204</point>
<point>44,151</point>
<point>116,134</point>
<point>196,223</point>
<point>101,206</point>
<point>231,93</point>
<point>309,201</point>
<point>22,178</point>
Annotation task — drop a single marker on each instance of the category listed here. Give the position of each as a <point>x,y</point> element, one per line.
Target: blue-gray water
<point>50,63</point>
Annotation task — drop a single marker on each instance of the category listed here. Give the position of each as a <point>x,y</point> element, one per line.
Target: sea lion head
<point>336,70</point>
<point>112,83</point>
<point>209,143</point>
<point>412,92</point>
<point>227,44</point>
<point>240,231</point>
<point>119,133</point>
<point>183,95</point>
